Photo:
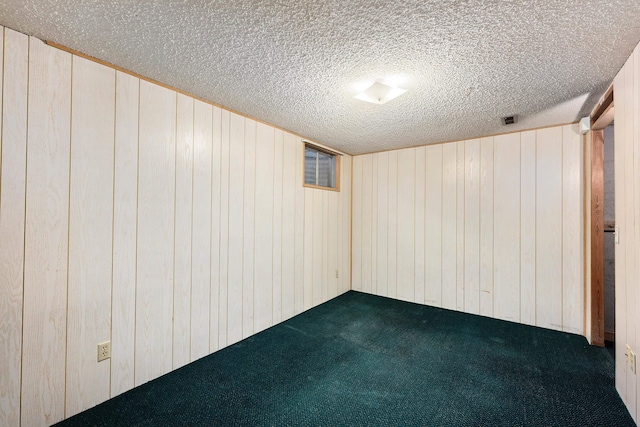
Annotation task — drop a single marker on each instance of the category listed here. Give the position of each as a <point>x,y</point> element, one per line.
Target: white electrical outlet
<point>104,351</point>
<point>632,361</point>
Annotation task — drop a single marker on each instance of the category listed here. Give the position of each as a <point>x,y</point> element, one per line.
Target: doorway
<point>609,238</point>
<point>601,304</point>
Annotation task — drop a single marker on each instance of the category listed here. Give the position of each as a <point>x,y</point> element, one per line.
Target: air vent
<point>509,120</point>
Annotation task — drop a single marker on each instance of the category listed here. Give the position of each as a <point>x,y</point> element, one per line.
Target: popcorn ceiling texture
<point>294,63</point>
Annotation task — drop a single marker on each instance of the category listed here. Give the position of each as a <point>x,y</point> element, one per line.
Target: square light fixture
<point>380,93</point>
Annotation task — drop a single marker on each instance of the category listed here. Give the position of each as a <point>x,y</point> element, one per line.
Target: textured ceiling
<point>298,64</point>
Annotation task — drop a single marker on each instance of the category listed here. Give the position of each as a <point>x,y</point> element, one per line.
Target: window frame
<point>323,150</point>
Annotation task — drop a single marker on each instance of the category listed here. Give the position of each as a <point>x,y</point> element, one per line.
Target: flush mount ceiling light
<point>380,93</point>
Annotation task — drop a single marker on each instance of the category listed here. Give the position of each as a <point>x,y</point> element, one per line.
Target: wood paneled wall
<point>626,88</point>
<point>132,213</point>
<point>489,226</point>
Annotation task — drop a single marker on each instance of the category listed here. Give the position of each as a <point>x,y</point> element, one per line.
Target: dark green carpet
<point>366,360</point>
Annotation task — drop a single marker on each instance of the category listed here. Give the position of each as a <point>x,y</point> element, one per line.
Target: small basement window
<point>321,168</point>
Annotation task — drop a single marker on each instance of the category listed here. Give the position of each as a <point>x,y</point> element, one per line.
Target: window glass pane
<point>325,170</point>
<point>310,161</point>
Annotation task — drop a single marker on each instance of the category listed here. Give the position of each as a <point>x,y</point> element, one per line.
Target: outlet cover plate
<point>104,351</point>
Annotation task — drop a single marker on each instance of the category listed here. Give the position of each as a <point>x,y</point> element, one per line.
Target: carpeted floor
<point>366,360</point>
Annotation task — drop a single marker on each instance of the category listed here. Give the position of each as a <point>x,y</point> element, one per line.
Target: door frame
<point>601,117</point>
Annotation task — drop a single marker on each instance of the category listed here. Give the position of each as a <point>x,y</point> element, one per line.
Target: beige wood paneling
<point>300,232</point>
<point>367,219</point>
<point>125,211</point>
<point>317,249</point>
<point>90,234</point>
<point>528,228</point>
<point>276,277</point>
<point>381,258</point>
<point>216,209</point>
<point>308,248</point>
<point>486,226</point>
<point>358,181</point>
<point>419,230</point>
<point>46,235</point>
<point>506,232</point>
<point>449,226</point>
<point>201,230</point>
<point>236,228</point>
<point>392,221</point>
<point>13,164</point>
<point>549,228</point>
<point>166,225</point>
<point>433,226</point>
<point>481,204</point>
<point>183,232</point>
<point>374,228</point>
<point>627,178</point>
<point>406,225</point>
<point>472,226</point>
<point>263,290</point>
<point>288,257</point>
<point>460,225</point>
<point>156,232</point>
<point>223,272</point>
<point>572,226</point>
<point>248,261</point>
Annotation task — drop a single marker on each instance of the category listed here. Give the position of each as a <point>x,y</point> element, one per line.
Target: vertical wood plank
<point>356,271</point>
<point>620,90</point>
<point>201,229</point>
<point>308,248</point>
<point>90,233</point>
<point>460,226</point>
<point>263,291</point>
<point>345,193</point>
<point>406,224</point>
<point>125,232</point>
<point>392,225</point>
<point>236,223</point>
<point>332,249</point>
<point>549,228</point>
<point>572,225</point>
<point>299,230</point>
<point>277,224</point>
<point>506,243</point>
<point>636,174</point>
<point>317,248</point>
<point>433,226</point>
<point>46,235</point>
<point>449,226</point>
<point>225,118</point>
<point>374,224</point>
<point>629,235</point>
<point>472,226</point>
<point>419,231</point>
<point>216,218</point>
<point>486,227</point>
<point>289,185</point>
<point>156,191</point>
<point>367,218</point>
<point>326,276</point>
<point>382,227</point>
<point>249,226</point>
<point>182,281</point>
<point>13,155</point>
<point>528,228</point>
